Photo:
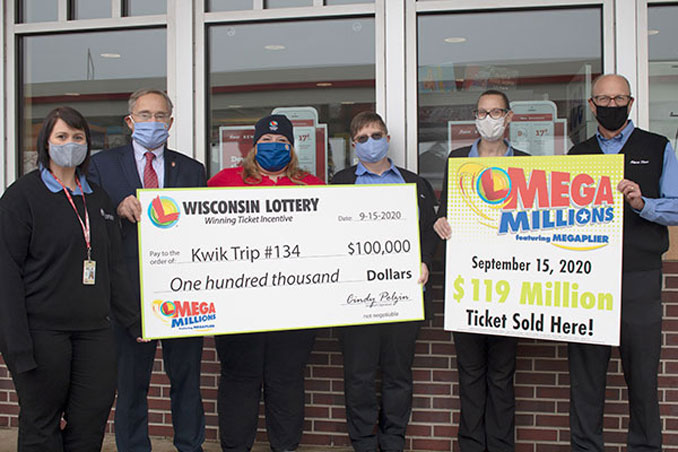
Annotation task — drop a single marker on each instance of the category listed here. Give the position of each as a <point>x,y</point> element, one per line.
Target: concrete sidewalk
<point>8,444</point>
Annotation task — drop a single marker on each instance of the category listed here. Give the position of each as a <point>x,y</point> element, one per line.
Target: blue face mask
<point>273,156</point>
<point>151,134</point>
<point>372,150</point>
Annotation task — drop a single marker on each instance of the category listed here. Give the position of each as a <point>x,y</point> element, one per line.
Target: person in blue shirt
<point>650,190</point>
<point>63,282</point>
<point>486,363</point>
<point>389,345</point>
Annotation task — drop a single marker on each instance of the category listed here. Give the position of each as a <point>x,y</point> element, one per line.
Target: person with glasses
<point>486,363</point>
<point>650,189</point>
<point>147,163</point>
<point>386,345</point>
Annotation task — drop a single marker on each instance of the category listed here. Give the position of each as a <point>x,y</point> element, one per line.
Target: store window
<point>93,72</point>
<point>287,3</point>
<point>320,73</point>
<point>91,9</point>
<point>532,55</point>
<point>145,7</point>
<point>241,5</point>
<point>662,37</point>
<point>346,2</point>
<point>228,5</point>
<point>37,11</point>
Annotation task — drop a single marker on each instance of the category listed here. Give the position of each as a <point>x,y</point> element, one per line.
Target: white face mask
<point>491,129</point>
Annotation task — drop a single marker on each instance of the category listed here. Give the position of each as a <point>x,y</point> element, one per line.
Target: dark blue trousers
<point>181,359</point>
<point>486,367</point>
<point>275,360</point>
<point>75,378</point>
<point>366,348</point>
<point>639,348</point>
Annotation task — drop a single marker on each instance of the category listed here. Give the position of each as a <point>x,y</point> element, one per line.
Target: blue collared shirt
<point>390,176</point>
<point>55,187</point>
<point>662,210</point>
<point>474,149</point>
<point>158,162</point>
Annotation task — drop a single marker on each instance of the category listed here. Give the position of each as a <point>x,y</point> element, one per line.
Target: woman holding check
<point>275,359</point>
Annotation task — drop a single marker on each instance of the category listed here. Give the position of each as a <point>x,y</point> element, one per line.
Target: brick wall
<point>541,390</point>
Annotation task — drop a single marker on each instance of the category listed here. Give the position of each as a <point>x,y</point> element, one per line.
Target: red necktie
<point>150,177</point>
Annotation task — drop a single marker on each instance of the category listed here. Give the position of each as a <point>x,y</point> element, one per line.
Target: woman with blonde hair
<point>275,359</point>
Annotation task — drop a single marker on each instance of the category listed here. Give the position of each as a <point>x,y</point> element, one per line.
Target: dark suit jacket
<point>116,172</point>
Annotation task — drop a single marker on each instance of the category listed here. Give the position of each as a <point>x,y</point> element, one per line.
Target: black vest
<point>644,241</point>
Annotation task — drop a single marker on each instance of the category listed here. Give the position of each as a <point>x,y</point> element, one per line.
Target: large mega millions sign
<point>536,247</point>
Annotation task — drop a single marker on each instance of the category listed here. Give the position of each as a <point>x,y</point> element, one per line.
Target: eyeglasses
<point>495,113</point>
<point>146,116</point>
<point>374,136</point>
<point>621,100</point>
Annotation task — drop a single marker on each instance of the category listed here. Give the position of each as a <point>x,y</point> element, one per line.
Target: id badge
<point>89,272</point>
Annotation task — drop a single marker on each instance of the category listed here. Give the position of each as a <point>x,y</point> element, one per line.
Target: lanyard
<point>85,225</point>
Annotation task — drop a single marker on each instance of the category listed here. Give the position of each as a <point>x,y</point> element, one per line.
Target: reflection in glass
<point>38,10</point>
<point>542,66</point>
<point>228,5</point>
<point>326,65</point>
<point>286,3</point>
<point>144,7</point>
<point>92,72</point>
<point>346,2</point>
<point>91,9</point>
<point>662,37</point>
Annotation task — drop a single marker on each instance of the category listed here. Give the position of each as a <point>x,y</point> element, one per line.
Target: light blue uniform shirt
<point>390,176</point>
<point>158,162</point>
<point>474,149</point>
<point>662,210</point>
<point>55,187</point>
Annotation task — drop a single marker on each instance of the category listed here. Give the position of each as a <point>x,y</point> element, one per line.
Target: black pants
<point>640,347</point>
<point>181,358</point>
<point>365,348</point>
<point>486,366</point>
<point>276,359</point>
<point>75,378</point>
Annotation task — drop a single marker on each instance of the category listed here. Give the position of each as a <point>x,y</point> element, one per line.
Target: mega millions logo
<point>186,315</point>
<point>163,212</point>
<point>515,200</point>
<point>493,185</point>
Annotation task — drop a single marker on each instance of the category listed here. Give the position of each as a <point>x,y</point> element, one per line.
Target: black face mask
<point>612,118</point>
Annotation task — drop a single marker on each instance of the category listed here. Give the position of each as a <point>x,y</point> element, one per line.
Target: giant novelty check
<point>536,247</point>
<point>232,260</point>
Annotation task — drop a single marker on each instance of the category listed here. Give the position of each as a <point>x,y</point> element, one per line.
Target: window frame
<point>13,35</point>
<point>416,8</point>
<point>258,15</point>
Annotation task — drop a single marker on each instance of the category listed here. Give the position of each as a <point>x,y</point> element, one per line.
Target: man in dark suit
<point>147,163</point>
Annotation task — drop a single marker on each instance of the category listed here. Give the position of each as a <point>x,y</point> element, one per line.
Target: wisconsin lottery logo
<point>519,201</point>
<point>163,212</point>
